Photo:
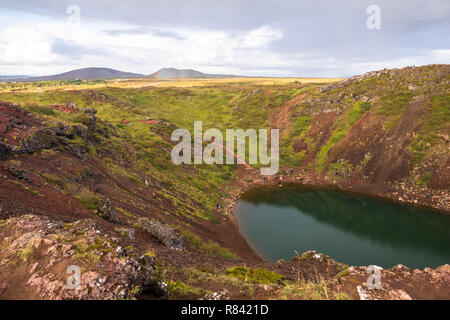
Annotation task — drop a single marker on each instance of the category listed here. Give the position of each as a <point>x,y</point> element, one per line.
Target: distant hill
<point>89,74</point>
<point>172,73</point>
<point>106,73</point>
<point>13,78</point>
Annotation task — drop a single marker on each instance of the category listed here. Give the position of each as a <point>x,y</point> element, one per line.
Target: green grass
<point>86,252</point>
<point>309,290</point>
<point>435,121</point>
<point>27,251</point>
<point>254,275</point>
<point>181,290</point>
<point>44,110</point>
<point>209,247</point>
<point>52,178</point>
<point>88,199</point>
<point>343,125</point>
<point>426,178</point>
<point>392,105</point>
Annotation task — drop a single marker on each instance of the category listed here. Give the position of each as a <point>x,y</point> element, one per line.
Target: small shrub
<point>88,199</point>
<point>426,178</point>
<point>52,178</point>
<point>82,118</point>
<point>179,289</point>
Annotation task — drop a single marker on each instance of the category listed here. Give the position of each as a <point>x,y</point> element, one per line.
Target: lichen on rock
<point>164,234</point>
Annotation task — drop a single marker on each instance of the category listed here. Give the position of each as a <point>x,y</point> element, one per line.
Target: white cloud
<point>259,37</point>
<point>23,45</point>
<point>142,52</point>
<point>31,44</point>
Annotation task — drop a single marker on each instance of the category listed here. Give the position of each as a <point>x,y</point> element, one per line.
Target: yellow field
<point>205,82</point>
<point>140,83</point>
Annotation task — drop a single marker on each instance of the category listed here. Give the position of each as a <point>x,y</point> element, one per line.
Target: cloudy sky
<point>249,37</point>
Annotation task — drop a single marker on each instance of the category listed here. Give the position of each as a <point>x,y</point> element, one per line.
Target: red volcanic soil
<point>65,109</point>
<point>15,124</point>
<point>150,121</point>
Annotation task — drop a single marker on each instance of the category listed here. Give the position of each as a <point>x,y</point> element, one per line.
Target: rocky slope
<point>387,131</point>
<point>37,254</point>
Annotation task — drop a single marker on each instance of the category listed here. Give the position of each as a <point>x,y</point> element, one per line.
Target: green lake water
<point>353,229</point>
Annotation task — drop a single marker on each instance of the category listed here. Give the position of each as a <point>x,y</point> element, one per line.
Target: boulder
<point>81,131</point>
<point>129,233</point>
<point>64,130</point>
<point>93,119</point>
<point>106,210</point>
<point>42,139</point>
<point>5,151</point>
<point>19,174</point>
<point>164,234</point>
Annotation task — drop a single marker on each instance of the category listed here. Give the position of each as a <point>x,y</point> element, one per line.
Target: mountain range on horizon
<point>108,73</point>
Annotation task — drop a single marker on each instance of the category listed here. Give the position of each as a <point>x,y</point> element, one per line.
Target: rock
<point>5,151</point>
<point>313,255</point>
<point>120,251</point>
<point>362,292</point>
<point>146,260</point>
<point>93,119</point>
<point>223,295</point>
<point>106,210</point>
<point>90,173</point>
<point>42,139</point>
<point>445,137</point>
<point>267,287</point>
<point>19,174</point>
<point>64,130</point>
<point>127,232</point>
<point>399,283</point>
<point>71,105</point>
<point>33,267</point>
<point>81,131</point>
<point>166,235</point>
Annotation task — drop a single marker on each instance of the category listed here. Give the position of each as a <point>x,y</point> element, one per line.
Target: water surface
<point>353,229</point>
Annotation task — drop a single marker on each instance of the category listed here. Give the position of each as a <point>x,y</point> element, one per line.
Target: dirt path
<point>238,159</point>
<point>281,118</point>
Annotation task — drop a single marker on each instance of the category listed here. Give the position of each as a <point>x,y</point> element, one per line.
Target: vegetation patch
<point>342,127</point>
<point>209,247</point>
<point>181,290</point>
<point>52,178</point>
<point>309,290</point>
<point>254,275</point>
<point>88,199</point>
<point>392,105</point>
<point>435,121</point>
